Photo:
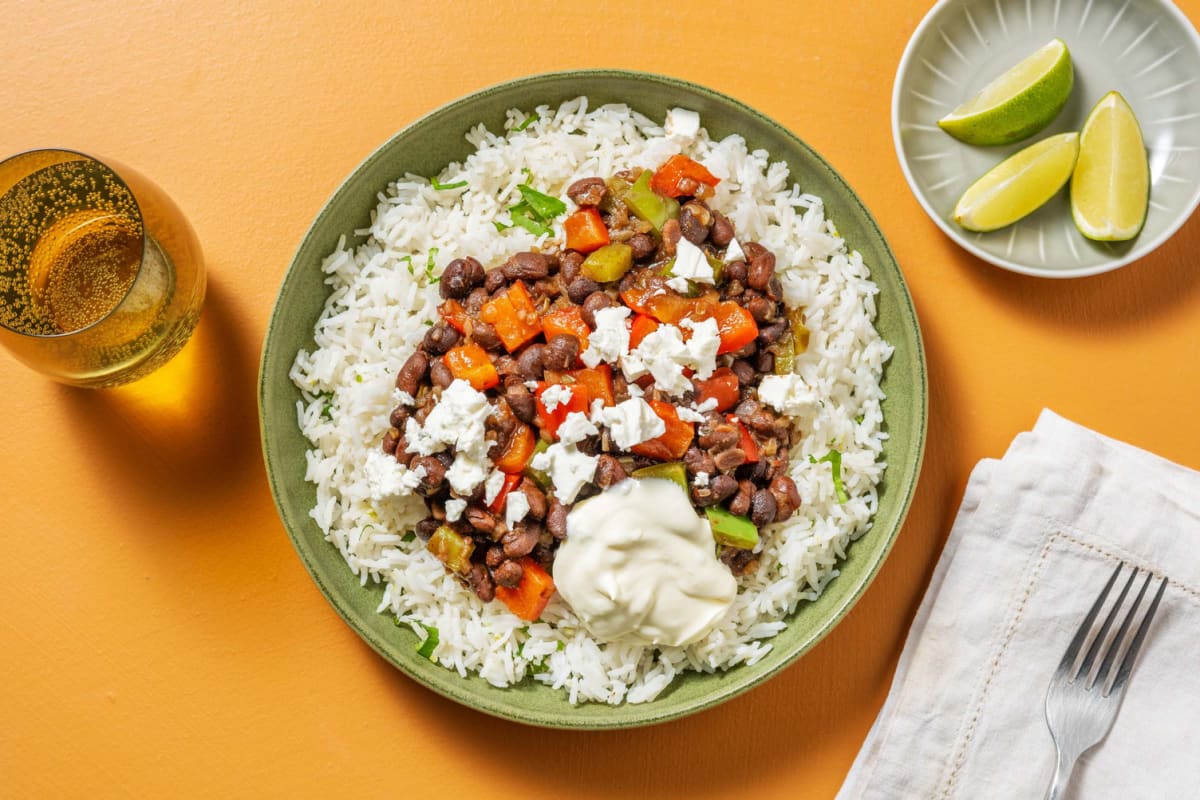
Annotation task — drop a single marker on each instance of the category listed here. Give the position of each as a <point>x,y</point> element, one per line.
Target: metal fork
<point>1082,702</point>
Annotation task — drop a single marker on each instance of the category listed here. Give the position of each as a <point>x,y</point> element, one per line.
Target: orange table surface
<point>160,636</point>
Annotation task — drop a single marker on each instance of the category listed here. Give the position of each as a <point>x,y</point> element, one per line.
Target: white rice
<point>381,302</point>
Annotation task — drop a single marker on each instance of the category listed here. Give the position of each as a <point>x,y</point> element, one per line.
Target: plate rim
<point>1140,250</point>
<point>909,468</point>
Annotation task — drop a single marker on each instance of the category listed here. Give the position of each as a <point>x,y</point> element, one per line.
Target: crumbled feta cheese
<point>662,354</point>
<point>556,395</point>
<point>576,427</point>
<point>708,405</point>
<point>682,124</point>
<point>596,412</point>
<point>687,415</point>
<point>632,422</point>
<point>610,340</point>
<point>569,469</point>
<point>531,385</point>
<point>458,420</point>
<point>787,394</point>
<point>492,486</point>
<point>516,506</point>
<point>454,509</point>
<point>691,264</point>
<point>400,398</point>
<point>634,390</point>
<point>701,479</point>
<point>734,252</point>
<point>702,346</point>
<point>387,477</point>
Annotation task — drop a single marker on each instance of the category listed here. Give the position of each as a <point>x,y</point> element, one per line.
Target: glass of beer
<point>101,276</point>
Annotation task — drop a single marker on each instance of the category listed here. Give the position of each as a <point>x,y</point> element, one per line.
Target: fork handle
<point>1062,775</point>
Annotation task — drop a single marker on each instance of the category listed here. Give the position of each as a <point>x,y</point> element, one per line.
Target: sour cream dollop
<point>638,565</point>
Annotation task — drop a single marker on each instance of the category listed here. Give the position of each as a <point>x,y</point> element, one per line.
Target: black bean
<point>526,266</point>
<point>594,302</point>
<point>569,264</point>
<point>764,362</point>
<point>739,560</point>
<point>484,334</point>
<point>535,497</point>
<point>762,508</point>
<point>390,440</point>
<point>398,416</point>
<point>435,474</point>
<point>521,401</point>
<point>694,221</point>
<point>481,581</point>
<point>719,436</point>
<point>587,191</point>
<point>506,367</point>
<point>752,249</point>
<point>460,277</point>
<point>579,289</point>
<point>475,300</point>
<point>642,245</point>
<point>548,288</point>
<point>744,371</point>
<point>787,497</point>
<point>556,519</point>
<point>530,362</point>
<point>697,461</point>
<point>481,520</point>
<point>723,486</point>
<point>770,334</point>
<point>494,280</point>
<point>762,309</point>
<point>671,234</point>
<point>401,453</point>
<point>440,338</point>
<point>425,528</point>
<point>509,573</point>
<point>495,556</point>
<point>561,352</point>
<point>721,233</point>
<point>762,269</point>
<point>440,374</point>
<point>521,540</point>
<point>775,289</point>
<point>740,504</point>
<point>408,379</point>
<point>609,472</point>
<point>737,271</point>
<point>730,459</point>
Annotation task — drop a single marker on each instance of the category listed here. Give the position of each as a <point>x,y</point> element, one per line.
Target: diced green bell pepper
<point>649,205</point>
<point>451,548</point>
<point>536,475</point>
<point>799,330</point>
<point>785,355</point>
<point>608,263</point>
<point>668,471</point>
<point>730,529</point>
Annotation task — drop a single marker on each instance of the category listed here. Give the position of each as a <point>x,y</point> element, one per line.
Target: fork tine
<point>1086,667</point>
<point>1114,646</point>
<point>1068,659</point>
<point>1131,654</point>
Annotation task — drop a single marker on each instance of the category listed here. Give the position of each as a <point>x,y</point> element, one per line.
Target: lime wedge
<point>1018,103</point>
<point>1018,185</point>
<point>1110,190</point>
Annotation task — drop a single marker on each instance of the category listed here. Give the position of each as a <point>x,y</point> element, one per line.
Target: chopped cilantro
<point>525,123</point>
<point>534,212</point>
<point>408,261</point>
<point>429,643</point>
<point>327,408</point>
<point>429,266</point>
<point>545,206</point>
<point>442,187</point>
<point>408,537</point>
<point>835,465</point>
<point>358,378</point>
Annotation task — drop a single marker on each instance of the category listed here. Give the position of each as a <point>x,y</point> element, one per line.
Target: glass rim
<point>140,219</point>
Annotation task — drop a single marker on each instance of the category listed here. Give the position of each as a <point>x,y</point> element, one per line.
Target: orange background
<point>160,636</point>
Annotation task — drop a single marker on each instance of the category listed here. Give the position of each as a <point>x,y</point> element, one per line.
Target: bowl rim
<point>626,715</point>
<point>1141,248</point>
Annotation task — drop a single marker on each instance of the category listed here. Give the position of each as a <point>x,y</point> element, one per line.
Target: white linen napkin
<point>1038,535</point>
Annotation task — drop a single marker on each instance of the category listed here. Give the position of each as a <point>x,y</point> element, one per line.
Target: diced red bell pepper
<point>722,386</point>
<point>511,481</point>
<point>585,230</point>
<point>471,363</point>
<point>568,320</point>
<point>669,179</point>
<point>674,442</point>
<point>455,315</point>
<point>518,451</point>
<point>746,441</point>
<point>596,381</point>
<point>529,597</point>
<point>513,315</point>
<point>640,327</point>
<point>735,325</point>
<point>548,420</point>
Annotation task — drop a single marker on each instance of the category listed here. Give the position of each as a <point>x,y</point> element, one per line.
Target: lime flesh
<point>1018,103</point>
<point>1019,185</point>
<point>1110,188</point>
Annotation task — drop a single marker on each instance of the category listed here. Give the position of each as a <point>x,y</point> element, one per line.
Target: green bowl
<point>424,148</point>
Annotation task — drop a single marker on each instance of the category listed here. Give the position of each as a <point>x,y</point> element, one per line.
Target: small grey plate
<point>1145,49</point>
